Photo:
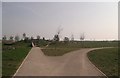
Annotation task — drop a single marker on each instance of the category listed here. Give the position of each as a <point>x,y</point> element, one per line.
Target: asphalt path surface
<point>71,64</point>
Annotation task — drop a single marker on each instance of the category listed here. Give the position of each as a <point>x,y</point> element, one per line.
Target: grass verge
<point>106,60</point>
<point>12,58</point>
<point>60,48</point>
<point>57,51</point>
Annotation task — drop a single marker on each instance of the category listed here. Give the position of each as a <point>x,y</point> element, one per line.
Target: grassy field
<point>106,60</point>
<point>95,44</point>
<point>12,56</point>
<point>84,44</point>
<point>58,51</point>
<point>60,48</point>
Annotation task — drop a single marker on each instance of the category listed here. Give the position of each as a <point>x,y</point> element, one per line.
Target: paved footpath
<point>71,64</point>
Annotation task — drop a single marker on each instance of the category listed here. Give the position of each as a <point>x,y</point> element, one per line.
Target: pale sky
<point>97,20</point>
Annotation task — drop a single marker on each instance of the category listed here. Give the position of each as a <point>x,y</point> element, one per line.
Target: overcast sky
<point>97,20</point>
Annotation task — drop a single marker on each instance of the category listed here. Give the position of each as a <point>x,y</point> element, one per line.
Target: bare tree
<point>57,36</point>
<point>32,37</point>
<point>72,37</point>
<point>43,38</point>
<point>82,36</point>
<point>38,37</point>
<point>17,38</point>
<point>66,39</point>
<point>26,39</point>
<point>4,38</point>
<point>11,38</point>
<point>59,30</point>
<point>24,36</point>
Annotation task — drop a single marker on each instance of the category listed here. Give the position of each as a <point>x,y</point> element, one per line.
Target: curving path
<point>71,64</point>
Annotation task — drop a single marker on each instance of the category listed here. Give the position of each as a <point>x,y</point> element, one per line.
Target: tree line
<point>17,38</point>
<point>56,37</point>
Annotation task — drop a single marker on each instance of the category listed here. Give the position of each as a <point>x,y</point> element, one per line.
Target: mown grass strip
<point>57,51</point>
<point>106,60</point>
<point>60,48</point>
<point>11,59</point>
